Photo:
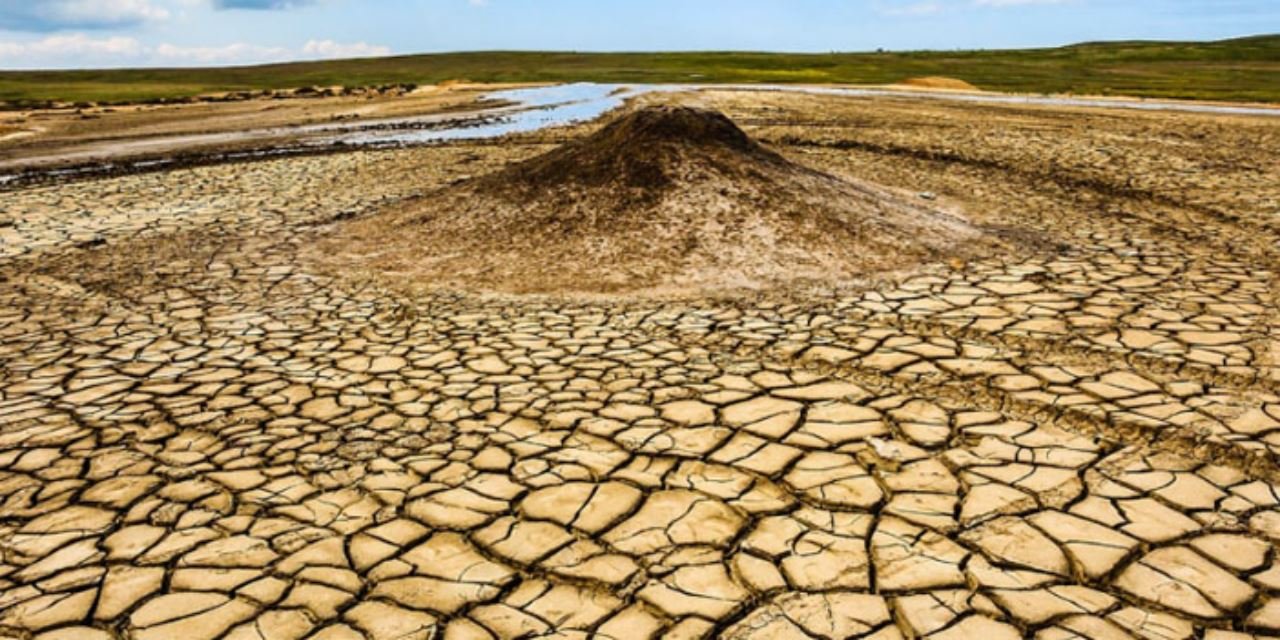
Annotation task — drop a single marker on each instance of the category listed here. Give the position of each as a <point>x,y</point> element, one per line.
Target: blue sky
<point>115,33</point>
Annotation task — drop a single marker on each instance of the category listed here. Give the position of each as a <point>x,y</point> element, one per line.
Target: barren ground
<point>203,435</point>
<point>71,136</point>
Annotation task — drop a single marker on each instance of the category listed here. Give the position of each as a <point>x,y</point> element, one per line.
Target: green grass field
<point>1246,69</point>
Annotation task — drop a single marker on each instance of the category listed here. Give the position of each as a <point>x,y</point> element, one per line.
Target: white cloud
<point>234,53</point>
<point>925,8</point>
<point>54,15</point>
<point>81,50</point>
<point>73,45</point>
<point>109,11</point>
<point>331,49</point>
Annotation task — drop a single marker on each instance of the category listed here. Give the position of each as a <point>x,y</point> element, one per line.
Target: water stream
<point>541,107</point>
<point>513,111</point>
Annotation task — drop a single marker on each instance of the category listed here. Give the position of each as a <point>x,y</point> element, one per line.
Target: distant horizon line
<point>462,52</point>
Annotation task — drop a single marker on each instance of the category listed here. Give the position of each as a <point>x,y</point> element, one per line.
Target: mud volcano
<point>665,199</point>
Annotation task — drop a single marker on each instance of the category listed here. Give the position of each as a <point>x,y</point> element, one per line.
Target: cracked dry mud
<point>201,437</point>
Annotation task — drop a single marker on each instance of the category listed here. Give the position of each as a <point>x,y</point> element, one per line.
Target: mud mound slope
<point>939,82</point>
<point>665,199</point>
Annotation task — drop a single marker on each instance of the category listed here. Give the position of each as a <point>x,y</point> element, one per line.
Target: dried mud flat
<point>203,436</point>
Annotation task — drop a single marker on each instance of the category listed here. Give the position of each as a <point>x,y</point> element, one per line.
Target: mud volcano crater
<point>663,199</point>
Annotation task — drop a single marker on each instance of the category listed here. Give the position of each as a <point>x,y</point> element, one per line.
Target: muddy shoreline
<point>250,151</point>
<point>480,115</point>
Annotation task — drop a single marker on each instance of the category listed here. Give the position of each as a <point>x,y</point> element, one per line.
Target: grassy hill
<point>1244,69</point>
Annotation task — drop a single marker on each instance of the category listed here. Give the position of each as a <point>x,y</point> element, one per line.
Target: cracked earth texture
<point>202,437</point>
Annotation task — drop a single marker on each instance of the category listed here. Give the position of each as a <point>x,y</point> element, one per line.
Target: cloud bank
<point>54,15</point>
<point>125,51</point>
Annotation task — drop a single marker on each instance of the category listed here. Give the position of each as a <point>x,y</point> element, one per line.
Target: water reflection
<point>534,108</point>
